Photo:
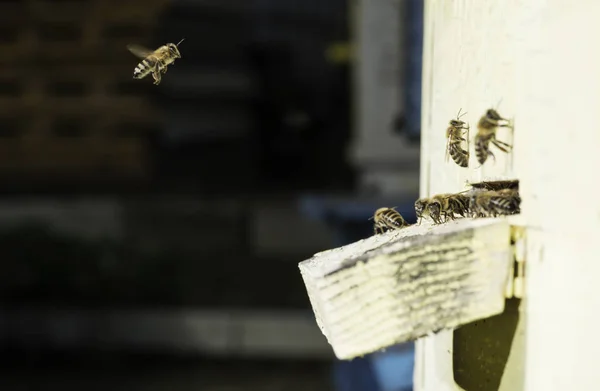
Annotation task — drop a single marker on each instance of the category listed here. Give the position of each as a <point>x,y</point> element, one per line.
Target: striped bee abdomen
<point>387,219</point>
<point>482,148</point>
<point>144,68</point>
<point>504,206</point>
<point>459,155</point>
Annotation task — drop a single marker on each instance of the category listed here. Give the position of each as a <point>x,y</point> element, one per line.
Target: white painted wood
<point>541,58</point>
<point>399,286</point>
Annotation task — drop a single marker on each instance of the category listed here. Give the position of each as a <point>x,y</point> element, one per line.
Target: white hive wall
<point>539,63</point>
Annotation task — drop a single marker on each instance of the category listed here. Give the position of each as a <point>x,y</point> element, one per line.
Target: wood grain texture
<point>409,283</point>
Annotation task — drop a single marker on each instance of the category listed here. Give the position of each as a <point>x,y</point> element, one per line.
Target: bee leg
<point>378,229</point>
<point>498,143</point>
<point>156,74</point>
<point>157,77</point>
<point>164,70</point>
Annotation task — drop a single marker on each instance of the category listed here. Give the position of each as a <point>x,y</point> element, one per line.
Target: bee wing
<point>139,51</point>
<point>447,149</point>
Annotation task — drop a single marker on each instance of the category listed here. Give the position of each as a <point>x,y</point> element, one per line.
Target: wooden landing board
<point>406,284</point>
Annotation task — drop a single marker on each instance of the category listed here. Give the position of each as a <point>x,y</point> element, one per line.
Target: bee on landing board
<point>442,207</point>
<point>387,219</point>
<point>486,134</point>
<point>455,133</point>
<point>495,203</point>
<point>154,62</point>
<point>421,208</point>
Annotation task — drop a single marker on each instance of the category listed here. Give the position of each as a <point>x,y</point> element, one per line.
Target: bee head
<point>493,114</point>
<point>174,51</point>
<point>435,208</point>
<point>419,206</point>
<point>456,123</point>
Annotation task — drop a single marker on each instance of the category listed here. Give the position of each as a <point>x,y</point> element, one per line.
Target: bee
<point>496,185</point>
<point>455,136</point>
<point>490,203</point>
<point>486,134</point>
<point>386,219</point>
<point>421,208</point>
<point>459,205</point>
<point>444,207</point>
<point>154,62</point>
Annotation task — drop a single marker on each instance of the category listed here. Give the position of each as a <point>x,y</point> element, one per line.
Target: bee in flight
<point>154,62</point>
<point>387,219</point>
<point>486,134</point>
<point>455,136</point>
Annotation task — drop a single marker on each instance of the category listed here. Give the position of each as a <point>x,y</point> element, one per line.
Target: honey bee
<point>442,207</point>
<point>421,208</point>
<point>459,205</point>
<point>455,136</point>
<point>386,219</point>
<point>490,203</point>
<point>486,134</point>
<point>496,185</point>
<point>154,62</point>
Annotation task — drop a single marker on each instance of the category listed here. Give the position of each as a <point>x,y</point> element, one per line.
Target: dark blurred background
<point>150,235</point>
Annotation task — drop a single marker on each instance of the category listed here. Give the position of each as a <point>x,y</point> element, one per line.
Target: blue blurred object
<point>392,369</point>
<point>355,375</point>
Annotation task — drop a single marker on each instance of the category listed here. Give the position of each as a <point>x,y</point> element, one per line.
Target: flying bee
<point>154,62</point>
<point>486,134</point>
<point>386,219</point>
<point>455,133</point>
<point>492,203</point>
<point>496,185</point>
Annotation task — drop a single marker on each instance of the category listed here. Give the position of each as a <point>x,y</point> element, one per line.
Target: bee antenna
<point>178,43</point>
<point>498,104</point>
<point>459,114</point>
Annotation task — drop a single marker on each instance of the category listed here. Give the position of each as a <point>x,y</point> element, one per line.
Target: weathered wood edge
<point>346,284</point>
